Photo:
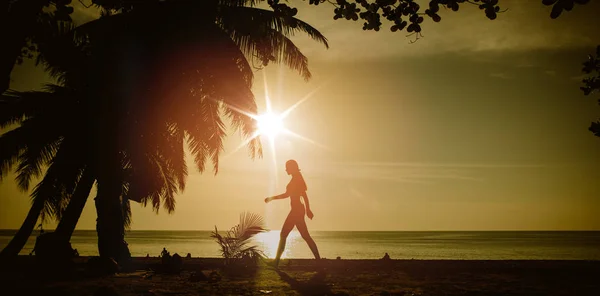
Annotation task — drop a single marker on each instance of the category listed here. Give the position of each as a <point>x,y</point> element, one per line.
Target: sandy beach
<point>304,277</point>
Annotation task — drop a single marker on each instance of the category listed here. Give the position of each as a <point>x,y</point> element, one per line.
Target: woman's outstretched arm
<point>309,213</point>
<point>281,196</point>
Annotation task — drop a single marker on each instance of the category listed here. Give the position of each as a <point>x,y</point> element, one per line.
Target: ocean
<point>462,245</point>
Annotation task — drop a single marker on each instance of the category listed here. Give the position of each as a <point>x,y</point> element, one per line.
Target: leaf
<point>556,10</point>
<point>568,4</point>
<point>595,128</point>
<point>234,243</point>
<point>548,2</point>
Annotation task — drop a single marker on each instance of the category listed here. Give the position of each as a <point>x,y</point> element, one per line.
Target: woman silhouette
<point>295,189</point>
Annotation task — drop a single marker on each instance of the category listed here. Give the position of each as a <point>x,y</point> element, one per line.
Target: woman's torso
<point>296,188</point>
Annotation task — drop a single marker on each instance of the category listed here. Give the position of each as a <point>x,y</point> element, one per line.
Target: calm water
<point>366,245</point>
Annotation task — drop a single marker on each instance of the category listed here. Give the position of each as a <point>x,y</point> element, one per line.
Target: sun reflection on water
<point>268,242</point>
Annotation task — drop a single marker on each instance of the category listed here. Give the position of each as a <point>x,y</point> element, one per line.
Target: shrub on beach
<point>234,243</point>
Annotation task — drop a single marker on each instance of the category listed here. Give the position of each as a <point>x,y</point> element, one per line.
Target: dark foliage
<point>591,84</point>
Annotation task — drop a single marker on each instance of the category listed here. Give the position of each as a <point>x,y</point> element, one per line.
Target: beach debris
<point>106,291</point>
<point>265,291</point>
<point>170,264</point>
<point>134,274</point>
<point>197,276</point>
<point>176,261</point>
<point>167,291</point>
<point>214,276</point>
<point>101,266</point>
<point>338,258</point>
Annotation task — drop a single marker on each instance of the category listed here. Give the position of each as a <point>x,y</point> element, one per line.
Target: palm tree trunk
<point>69,220</point>
<point>20,239</point>
<point>55,247</point>
<point>111,227</point>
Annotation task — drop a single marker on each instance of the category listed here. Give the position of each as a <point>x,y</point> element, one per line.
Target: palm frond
<point>215,133</point>
<point>234,243</point>
<point>12,143</point>
<point>60,179</point>
<point>126,212</point>
<point>147,183</point>
<point>32,159</point>
<point>171,148</point>
<point>288,26</point>
<point>62,50</point>
<point>48,190</point>
<point>169,187</point>
<point>16,106</point>
<point>10,111</point>
<point>250,225</point>
<point>238,3</point>
<point>18,145</point>
<point>264,34</point>
<point>125,209</point>
<point>206,137</point>
<point>153,177</point>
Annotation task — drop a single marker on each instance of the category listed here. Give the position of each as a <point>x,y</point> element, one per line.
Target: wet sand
<point>332,277</point>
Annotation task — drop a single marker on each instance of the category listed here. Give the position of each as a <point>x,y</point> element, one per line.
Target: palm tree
<point>199,75</point>
<point>71,173</point>
<point>54,131</point>
<point>36,143</point>
<point>207,76</point>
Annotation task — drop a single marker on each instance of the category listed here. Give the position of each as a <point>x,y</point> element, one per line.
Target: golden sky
<point>478,126</point>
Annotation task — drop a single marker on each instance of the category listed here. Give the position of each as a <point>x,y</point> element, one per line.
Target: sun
<point>270,124</point>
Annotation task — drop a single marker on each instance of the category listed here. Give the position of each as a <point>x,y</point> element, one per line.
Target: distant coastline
<point>422,245</point>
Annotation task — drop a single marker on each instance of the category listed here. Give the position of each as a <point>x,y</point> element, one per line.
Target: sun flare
<point>270,124</point>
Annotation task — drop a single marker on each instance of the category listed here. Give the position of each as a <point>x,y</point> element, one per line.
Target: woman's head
<point>291,167</point>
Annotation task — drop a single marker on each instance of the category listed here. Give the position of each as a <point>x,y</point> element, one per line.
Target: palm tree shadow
<point>316,285</point>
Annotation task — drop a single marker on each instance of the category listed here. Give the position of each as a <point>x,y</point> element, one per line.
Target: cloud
<point>500,75</point>
<point>579,77</point>
<point>371,203</point>
<point>443,165</point>
<point>412,173</point>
